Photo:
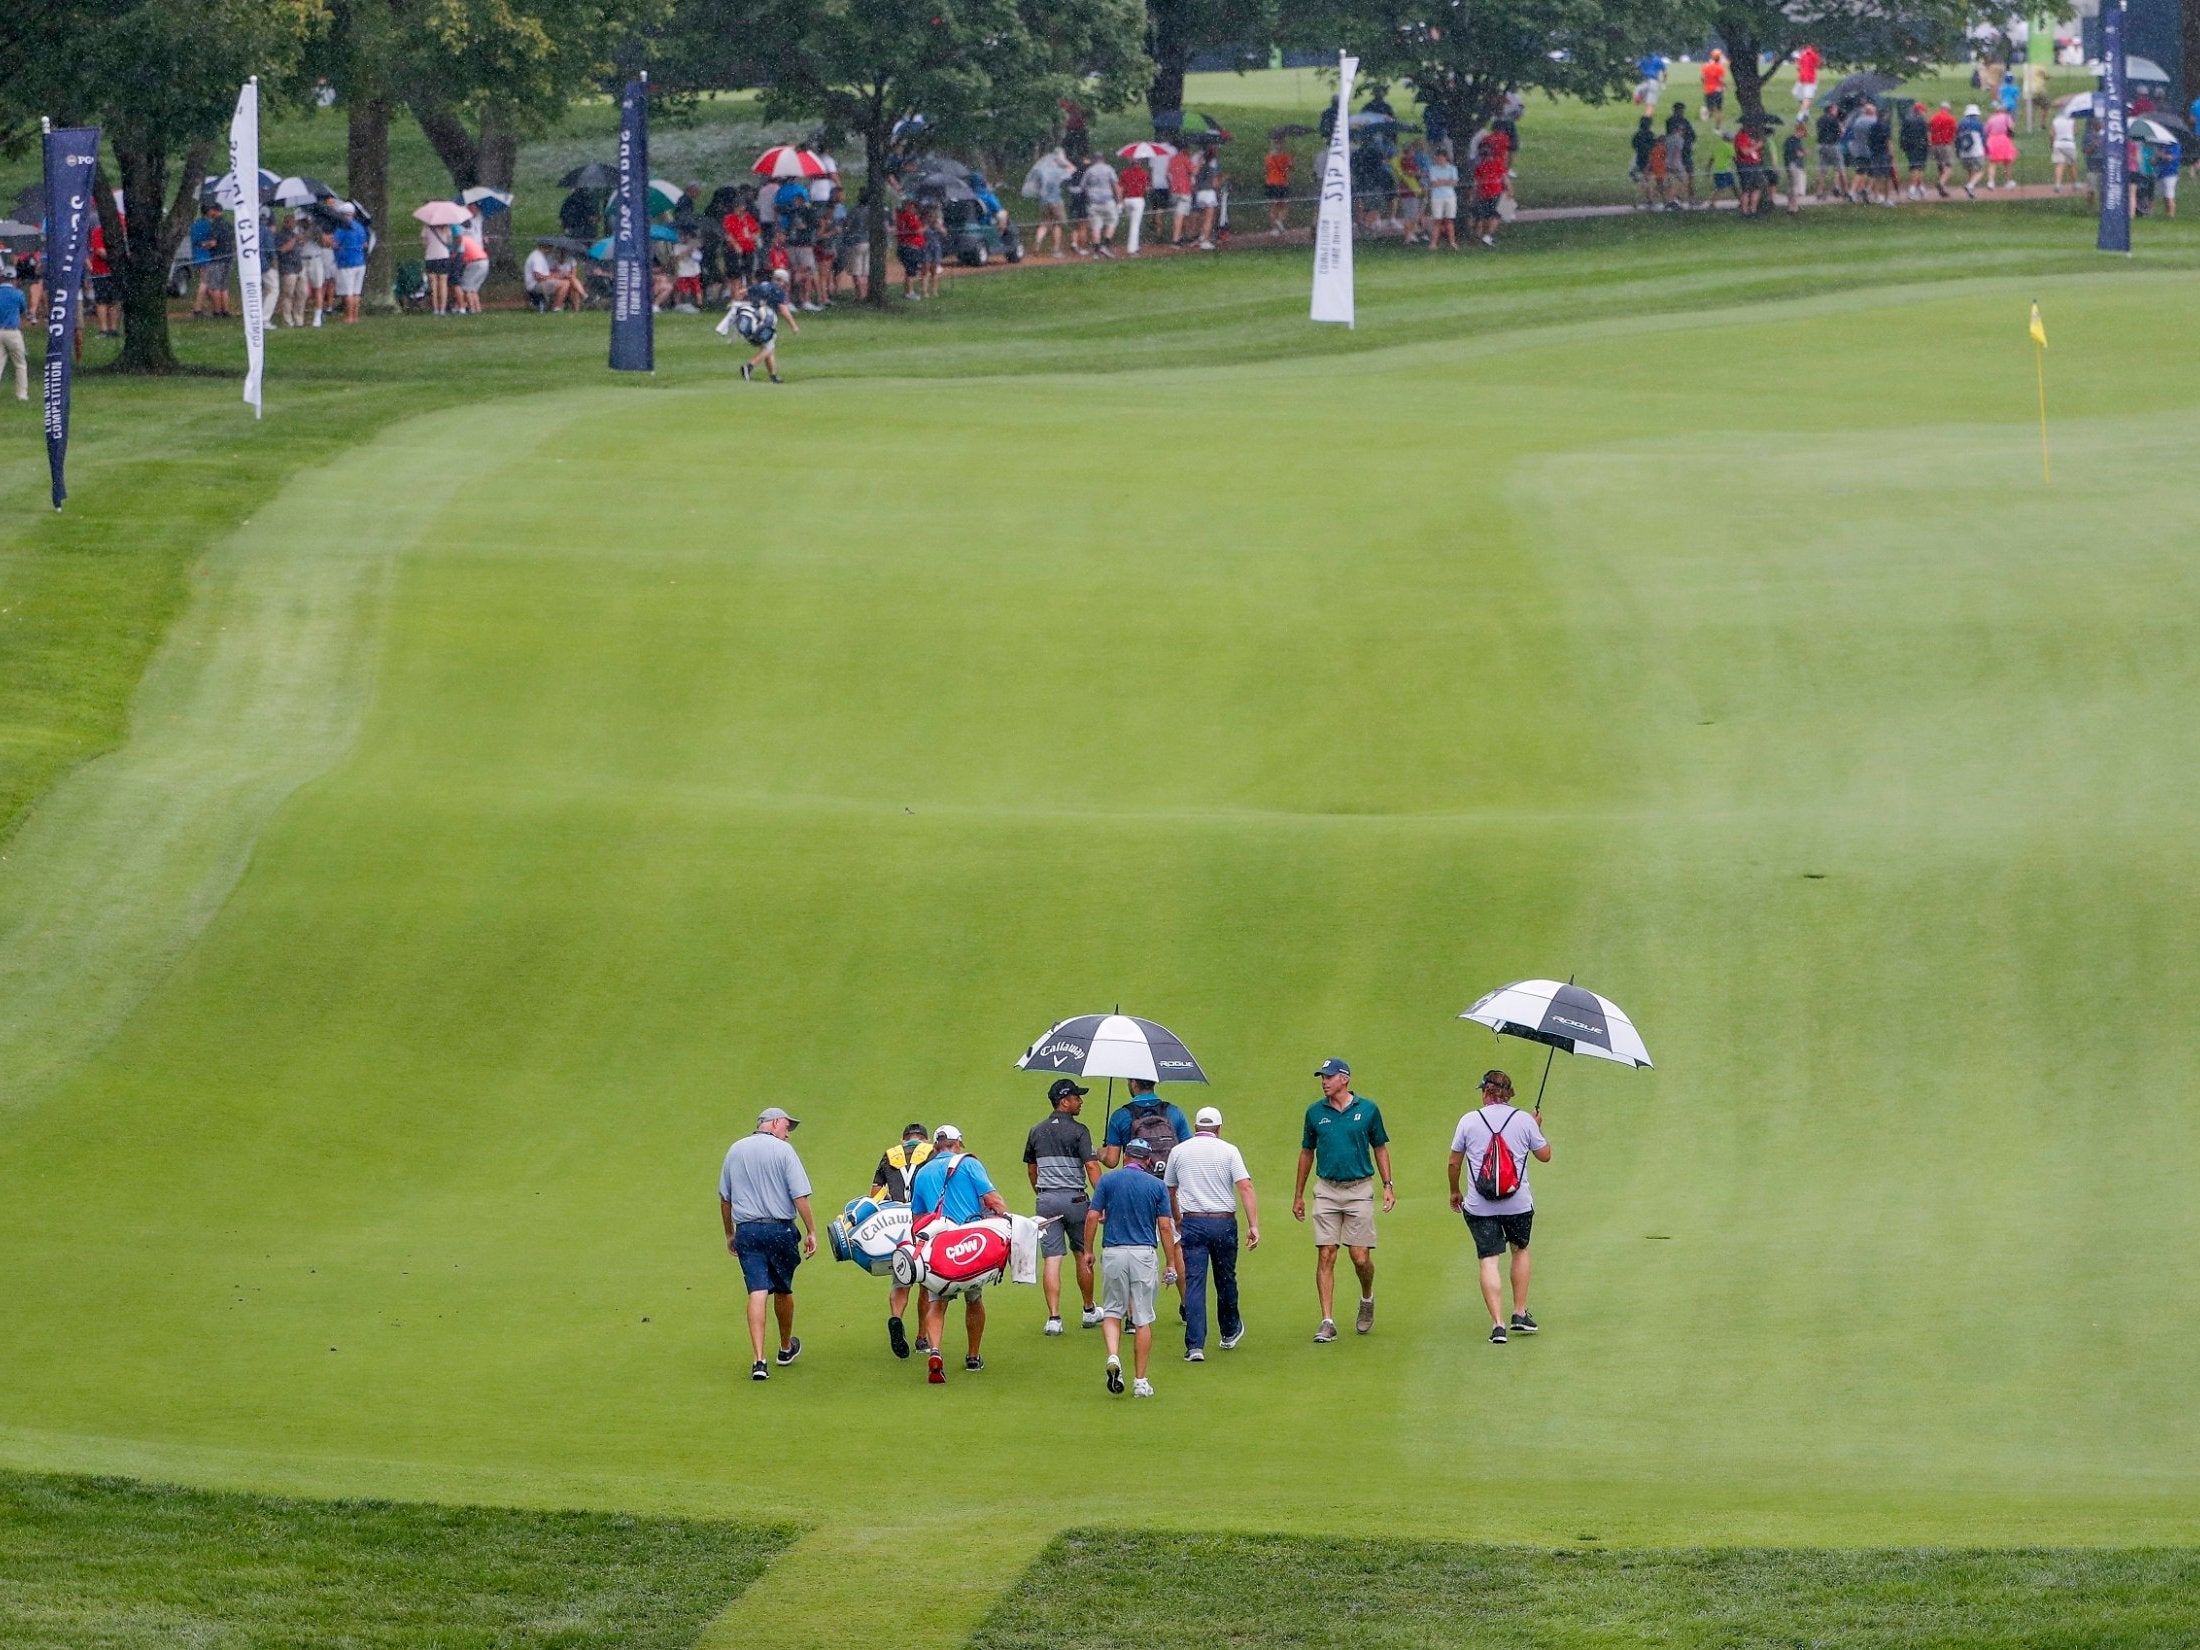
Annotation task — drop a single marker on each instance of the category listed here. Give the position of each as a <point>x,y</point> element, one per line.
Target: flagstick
<point>2039,357</point>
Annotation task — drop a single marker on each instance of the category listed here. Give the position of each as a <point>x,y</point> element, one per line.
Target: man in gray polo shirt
<point>761,1189</point>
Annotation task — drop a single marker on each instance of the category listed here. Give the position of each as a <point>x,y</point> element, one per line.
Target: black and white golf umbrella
<point>1113,1045</point>
<point>1562,1016</point>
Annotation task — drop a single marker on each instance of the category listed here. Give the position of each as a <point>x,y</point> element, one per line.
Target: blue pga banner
<point>633,324</point>
<point>71,153</point>
<point>2115,140</point>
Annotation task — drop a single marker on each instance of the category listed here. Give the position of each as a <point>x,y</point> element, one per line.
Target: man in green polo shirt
<point>1344,1146</point>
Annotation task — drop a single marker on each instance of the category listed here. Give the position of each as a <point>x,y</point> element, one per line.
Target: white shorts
<point>2066,154</point>
<point>2166,186</point>
<point>472,276</point>
<point>1204,199</point>
<point>1104,216</point>
<point>350,283</point>
<point>1443,205</point>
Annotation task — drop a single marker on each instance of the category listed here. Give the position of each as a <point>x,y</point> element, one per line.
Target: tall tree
<point>1175,29</point>
<point>1898,36</point>
<point>160,78</point>
<point>1461,58</point>
<point>982,72</point>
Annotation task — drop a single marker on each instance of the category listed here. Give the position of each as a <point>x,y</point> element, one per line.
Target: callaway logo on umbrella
<point>1113,1045</point>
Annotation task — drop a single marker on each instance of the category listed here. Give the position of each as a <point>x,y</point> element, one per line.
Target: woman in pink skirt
<point>2001,150</point>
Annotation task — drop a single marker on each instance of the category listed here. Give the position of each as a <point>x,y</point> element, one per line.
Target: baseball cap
<point>908,1129</point>
<point>1138,1148</point>
<point>947,1131</point>
<point>1208,1118</point>
<point>1063,1087</point>
<point>772,1114</point>
<point>1332,1067</point>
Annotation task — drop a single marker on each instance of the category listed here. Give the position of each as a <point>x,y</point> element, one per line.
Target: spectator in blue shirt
<point>12,306</point>
<point>952,1186</point>
<point>349,244</point>
<point>1129,1219</point>
<point>213,242</point>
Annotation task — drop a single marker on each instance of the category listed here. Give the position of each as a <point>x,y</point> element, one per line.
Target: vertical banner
<point>244,200</point>
<point>1333,229</point>
<point>71,153</point>
<point>633,323</point>
<point>2115,233</point>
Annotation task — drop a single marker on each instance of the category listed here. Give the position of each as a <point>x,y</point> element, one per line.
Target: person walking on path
<point>2001,150</point>
<point>1344,1146</point>
<point>1132,1207</point>
<point>1645,144</point>
<point>1276,183</point>
<point>12,307</point>
<point>1940,145</point>
<point>1206,1179</point>
<point>1494,1142</point>
<point>1059,1158</point>
<point>954,1186</point>
<point>1103,205</point>
<point>762,1190</point>
<point>349,244</point>
<point>1144,1116</point>
<point>897,1167</point>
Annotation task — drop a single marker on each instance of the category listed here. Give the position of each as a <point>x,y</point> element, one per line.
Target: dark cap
<point>1494,1079</point>
<point>908,1129</point>
<point>1332,1068</point>
<point>1063,1088</point>
<point>1139,1149</point>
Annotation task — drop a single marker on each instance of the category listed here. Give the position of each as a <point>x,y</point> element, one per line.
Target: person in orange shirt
<point>1714,85</point>
<point>1276,174</point>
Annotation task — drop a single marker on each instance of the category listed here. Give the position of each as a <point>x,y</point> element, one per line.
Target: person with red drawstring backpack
<point>1493,1143</point>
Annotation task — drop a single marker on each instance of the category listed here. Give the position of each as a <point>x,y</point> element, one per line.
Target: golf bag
<point>868,1233</point>
<point>951,1260</point>
<point>750,321</point>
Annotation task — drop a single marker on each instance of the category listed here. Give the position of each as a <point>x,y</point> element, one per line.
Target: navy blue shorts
<point>769,1252</point>
<point>1493,1233</point>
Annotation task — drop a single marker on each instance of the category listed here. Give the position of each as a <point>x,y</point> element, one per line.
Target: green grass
<point>1097,1590</point>
<point>534,787</point>
<point>105,1564</point>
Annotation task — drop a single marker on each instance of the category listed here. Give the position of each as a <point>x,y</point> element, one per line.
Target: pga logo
<point>965,1247</point>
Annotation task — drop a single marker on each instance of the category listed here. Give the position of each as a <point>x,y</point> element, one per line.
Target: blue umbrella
<point>657,232</point>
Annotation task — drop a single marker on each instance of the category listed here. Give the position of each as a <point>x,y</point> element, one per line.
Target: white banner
<point>1333,229</point>
<point>244,201</point>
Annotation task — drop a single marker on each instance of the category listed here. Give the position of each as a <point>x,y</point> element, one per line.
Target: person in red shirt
<point>1135,184</point>
<point>1276,179</point>
<point>1183,172</point>
<point>1940,133</point>
<point>743,235</point>
<point>1806,79</point>
<point>103,284</point>
<point>909,245</point>
<point>1749,161</point>
<point>1489,188</point>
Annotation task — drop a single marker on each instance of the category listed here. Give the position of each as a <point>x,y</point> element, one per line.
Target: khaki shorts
<point>1129,1280</point>
<point>1344,1213</point>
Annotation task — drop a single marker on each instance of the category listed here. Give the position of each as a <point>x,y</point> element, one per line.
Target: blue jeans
<point>1209,1240</point>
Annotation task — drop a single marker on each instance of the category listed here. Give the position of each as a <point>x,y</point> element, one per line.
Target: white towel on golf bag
<point>1023,1249</point>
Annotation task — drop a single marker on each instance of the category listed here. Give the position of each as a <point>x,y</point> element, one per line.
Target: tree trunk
<point>149,241</point>
<point>1749,84</point>
<point>369,174</point>
<point>454,146</point>
<point>2188,34</point>
<point>497,161</point>
<point>1169,44</point>
<point>876,130</point>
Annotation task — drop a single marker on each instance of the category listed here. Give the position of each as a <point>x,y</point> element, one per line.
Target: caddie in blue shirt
<point>953,1185</point>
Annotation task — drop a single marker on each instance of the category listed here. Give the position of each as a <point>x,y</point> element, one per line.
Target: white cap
<point>1208,1118</point>
<point>947,1131</point>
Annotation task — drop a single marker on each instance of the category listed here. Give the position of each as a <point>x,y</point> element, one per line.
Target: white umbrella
<point>2144,68</point>
<point>443,214</point>
<point>1146,151</point>
<point>786,161</point>
<point>1560,1016</point>
<point>489,200</point>
<point>1113,1045</point>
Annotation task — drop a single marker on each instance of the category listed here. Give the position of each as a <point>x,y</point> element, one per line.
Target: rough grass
<point>111,1564</point>
<point>1098,1590</point>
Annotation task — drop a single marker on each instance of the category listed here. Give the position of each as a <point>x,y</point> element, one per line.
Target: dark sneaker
<point>935,1373</point>
<point>760,1371</point>
<point>777,379</point>
<point>791,1351</point>
<point>1523,1323</point>
<point>1366,1320</point>
<point>973,1363</point>
<point>1115,1377</point>
<point>923,1346</point>
<point>1326,1333</point>
<point>1497,1334</point>
<point>748,371</point>
<point>897,1337</point>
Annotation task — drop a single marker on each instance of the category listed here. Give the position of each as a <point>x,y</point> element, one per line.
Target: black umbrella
<point>1113,1045</point>
<point>1292,130</point>
<point>14,234</point>
<point>938,175</point>
<point>595,175</point>
<point>1868,83</point>
<point>1560,1017</point>
<point>567,243</point>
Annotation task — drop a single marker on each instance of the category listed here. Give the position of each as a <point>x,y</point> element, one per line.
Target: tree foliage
<point>1899,36</point>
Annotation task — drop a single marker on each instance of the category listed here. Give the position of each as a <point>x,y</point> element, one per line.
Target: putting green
<point>729,748</point>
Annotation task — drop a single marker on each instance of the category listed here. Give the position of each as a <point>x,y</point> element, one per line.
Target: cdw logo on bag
<point>964,1247</point>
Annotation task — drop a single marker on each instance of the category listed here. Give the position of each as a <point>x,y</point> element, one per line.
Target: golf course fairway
<point>645,755</point>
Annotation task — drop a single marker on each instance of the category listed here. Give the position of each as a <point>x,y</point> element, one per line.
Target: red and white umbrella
<point>1146,151</point>
<point>786,161</point>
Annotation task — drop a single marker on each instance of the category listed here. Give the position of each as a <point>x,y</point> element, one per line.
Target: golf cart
<point>973,234</point>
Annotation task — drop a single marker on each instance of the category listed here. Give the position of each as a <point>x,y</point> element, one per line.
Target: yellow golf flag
<point>2039,329</point>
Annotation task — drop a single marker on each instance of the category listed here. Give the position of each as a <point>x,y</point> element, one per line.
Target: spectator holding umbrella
<point>1497,1139</point>
<point>438,250</point>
